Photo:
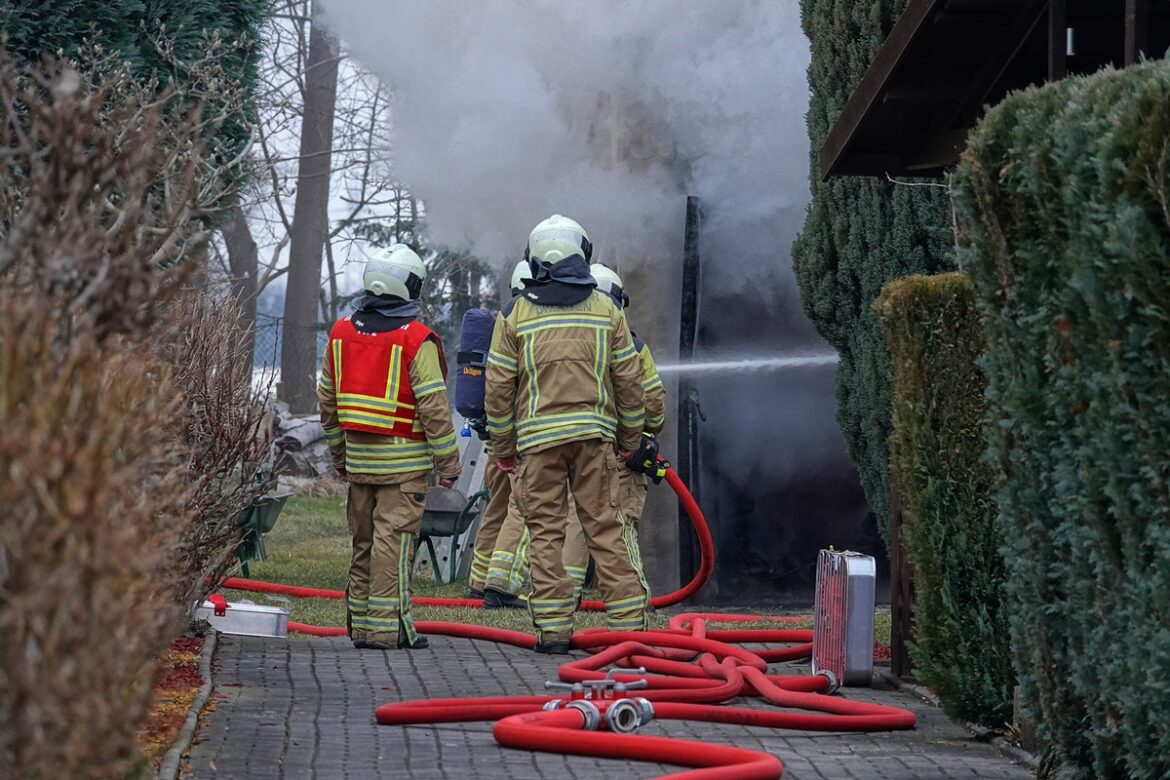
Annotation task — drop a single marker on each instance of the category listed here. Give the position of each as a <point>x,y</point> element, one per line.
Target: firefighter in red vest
<point>383,398</point>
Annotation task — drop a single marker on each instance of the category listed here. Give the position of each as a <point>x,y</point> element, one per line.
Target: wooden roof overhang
<point>945,60</point>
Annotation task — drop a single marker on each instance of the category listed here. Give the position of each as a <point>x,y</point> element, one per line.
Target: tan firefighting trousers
<point>508,568</point>
<point>499,485</point>
<point>576,555</point>
<point>508,571</point>
<point>576,552</point>
<point>634,490</point>
<point>592,473</point>
<point>384,521</point>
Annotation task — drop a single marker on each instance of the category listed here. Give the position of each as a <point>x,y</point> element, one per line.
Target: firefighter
<point>634,485</point>
<point>502,569</point>
<point>565,408</point>
<point>384,408</point>
<point>498,561</point>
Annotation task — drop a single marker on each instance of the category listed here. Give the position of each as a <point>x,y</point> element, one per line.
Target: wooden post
<point>1137,13</point>
<point>901,594</point>
<point>1057,40</point>
<point>688,413</point>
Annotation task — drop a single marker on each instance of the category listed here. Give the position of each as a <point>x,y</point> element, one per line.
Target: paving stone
<point>303,708</point>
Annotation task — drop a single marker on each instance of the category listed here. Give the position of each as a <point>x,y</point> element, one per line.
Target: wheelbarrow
<point>448,514</point>
<point>257,520</point>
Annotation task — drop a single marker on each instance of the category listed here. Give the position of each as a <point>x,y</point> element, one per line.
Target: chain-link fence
<point>268,333</point>
<point>270,336</point>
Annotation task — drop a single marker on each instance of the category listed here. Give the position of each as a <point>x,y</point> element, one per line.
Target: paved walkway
<point>304,708</point>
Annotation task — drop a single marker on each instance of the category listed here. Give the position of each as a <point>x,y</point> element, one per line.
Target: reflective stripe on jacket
<point>655,390</point>
<point>375,458</point>
<point>371,373</point>
<point>563,373</point>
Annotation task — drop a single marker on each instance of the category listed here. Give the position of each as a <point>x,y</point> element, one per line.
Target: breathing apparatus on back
<point>475,341</point>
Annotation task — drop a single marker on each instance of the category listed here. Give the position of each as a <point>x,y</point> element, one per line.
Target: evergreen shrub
<point>1064,201</point>
<point>858,234</point>
<point>938,461</point>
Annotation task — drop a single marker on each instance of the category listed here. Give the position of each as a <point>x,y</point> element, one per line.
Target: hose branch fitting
<point>575,690</point>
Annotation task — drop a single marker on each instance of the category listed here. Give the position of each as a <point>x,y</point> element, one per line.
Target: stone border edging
<point>173,760</point>
<point>979,732</point>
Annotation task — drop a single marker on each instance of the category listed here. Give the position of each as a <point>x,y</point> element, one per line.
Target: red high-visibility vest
<point>371,372</point>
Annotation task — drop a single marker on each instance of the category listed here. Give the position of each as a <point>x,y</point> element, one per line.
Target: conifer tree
<point>155,38</point>
<point>858,234</point>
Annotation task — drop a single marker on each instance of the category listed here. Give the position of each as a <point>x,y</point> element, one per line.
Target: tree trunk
<point>310,226</point>
<point>243,262</point>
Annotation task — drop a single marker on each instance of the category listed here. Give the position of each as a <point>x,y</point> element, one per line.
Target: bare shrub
<point>106,181</point>
<point>227,434</point>
<point>125,411</point>
<point>93,491</point>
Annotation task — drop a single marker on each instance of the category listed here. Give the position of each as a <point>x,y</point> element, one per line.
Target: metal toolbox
<point>246,618</point>
<point>843,616</point>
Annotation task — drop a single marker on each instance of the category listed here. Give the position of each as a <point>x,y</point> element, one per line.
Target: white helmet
<point>555,239</point>
<point>520,274</point>
<point>610,283</point>
<point>396,271</point>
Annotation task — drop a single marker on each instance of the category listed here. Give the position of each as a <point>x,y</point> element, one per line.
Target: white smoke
<point>609,111</point>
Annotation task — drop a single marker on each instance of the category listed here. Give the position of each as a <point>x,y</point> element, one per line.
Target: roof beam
<point>936,151</point>
<point>868,165</point>
<point>916,87</point>
<point>991,70</point>
<point>886,61</point>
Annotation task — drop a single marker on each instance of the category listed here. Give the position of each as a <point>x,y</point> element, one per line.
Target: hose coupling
<point>590,712</point>
<point>623,717</point>
<point>553,704</point>
<point>645,709</point>
<point>834,682</point>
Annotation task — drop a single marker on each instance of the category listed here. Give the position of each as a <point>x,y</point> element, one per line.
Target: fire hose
<point>706,566</point>
<point>600,713</point>
<point>683,672</point>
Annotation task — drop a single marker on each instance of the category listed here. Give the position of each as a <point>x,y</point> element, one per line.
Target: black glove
<point>646,460</point>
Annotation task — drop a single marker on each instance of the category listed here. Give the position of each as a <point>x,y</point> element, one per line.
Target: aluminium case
<point>843,616</point>
<point>245,618</point>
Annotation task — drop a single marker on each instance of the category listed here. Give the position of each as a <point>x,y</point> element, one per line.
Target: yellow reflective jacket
<point>557,374</point>
<point>655,390</point>
<point>371,458</point>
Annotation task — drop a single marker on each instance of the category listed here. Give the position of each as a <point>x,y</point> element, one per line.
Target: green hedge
<point>135,30</point>
<point>858,234</point>
<point>1064,200</point>
<point>938,462</point>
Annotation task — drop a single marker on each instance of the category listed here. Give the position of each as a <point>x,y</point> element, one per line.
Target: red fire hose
<point>688,672</point>
<point>675,691</point>
<point>706,566</point>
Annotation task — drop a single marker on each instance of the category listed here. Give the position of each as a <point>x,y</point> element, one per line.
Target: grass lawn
<point>310,546</point>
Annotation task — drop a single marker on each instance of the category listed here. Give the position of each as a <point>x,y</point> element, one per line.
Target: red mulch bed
<point>175,690</point>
